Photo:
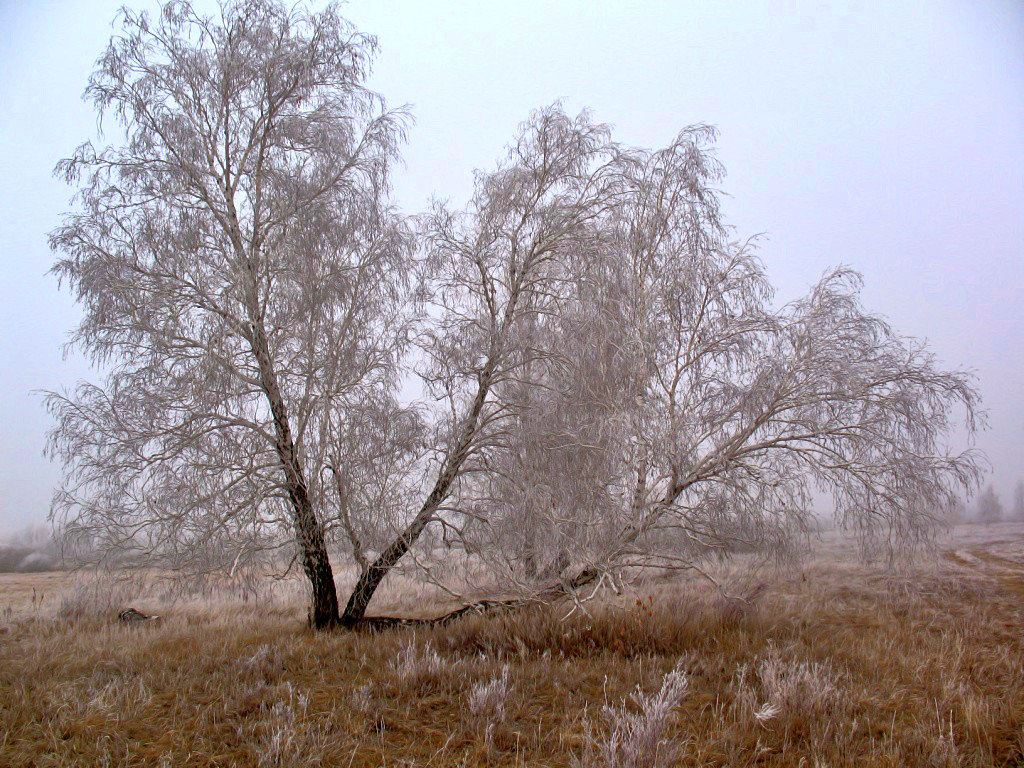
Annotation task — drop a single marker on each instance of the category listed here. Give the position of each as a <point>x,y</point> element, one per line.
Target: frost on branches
<point>607,382</point>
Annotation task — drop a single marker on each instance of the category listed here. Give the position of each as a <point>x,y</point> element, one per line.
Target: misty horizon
<point>890,140</point>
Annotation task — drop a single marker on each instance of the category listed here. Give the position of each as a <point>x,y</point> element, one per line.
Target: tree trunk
<point>309,531</point>
<point>371,577</point>
<point>315,562</point>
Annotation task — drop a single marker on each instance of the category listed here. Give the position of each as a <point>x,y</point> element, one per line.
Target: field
<point>830,663</point>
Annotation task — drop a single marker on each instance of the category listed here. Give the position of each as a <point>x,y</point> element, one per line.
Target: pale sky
<point>884,135</point>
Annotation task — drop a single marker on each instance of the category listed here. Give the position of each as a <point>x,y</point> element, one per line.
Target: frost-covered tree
<point>667,411</point>
<point>243,281</point>
<point>612,384</point>
<point>492,273</point>
<point>1018,501</point>
<point>989,508</point>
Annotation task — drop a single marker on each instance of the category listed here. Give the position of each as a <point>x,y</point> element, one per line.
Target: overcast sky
<point>884,135</point>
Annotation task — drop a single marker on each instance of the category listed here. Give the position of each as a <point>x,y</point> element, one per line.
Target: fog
<point>889,137</point>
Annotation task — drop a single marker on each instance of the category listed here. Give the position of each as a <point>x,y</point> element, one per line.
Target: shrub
<point>285,736</point>
<point>798,693</point>
<point>636,739</point>
<point>487,703</point>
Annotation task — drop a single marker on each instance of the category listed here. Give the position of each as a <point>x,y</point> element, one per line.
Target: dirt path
<point>1000,558</point>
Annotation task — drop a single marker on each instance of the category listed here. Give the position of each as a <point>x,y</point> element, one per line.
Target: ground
<point>829,663</point>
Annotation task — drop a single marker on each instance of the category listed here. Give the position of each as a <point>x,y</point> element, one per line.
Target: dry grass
<point>836,665</point>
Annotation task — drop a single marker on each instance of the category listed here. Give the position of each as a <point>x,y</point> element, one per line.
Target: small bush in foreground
<point>637,737</point>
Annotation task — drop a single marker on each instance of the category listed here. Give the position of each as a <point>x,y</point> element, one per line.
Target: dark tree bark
<point>370,579</point>
<point>309,530</point>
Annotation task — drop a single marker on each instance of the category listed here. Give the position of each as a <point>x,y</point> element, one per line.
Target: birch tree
<point>242,277</point>
<point>491,273</point>
<point>611,385</point>
<point>620,391</point>
<point>688,417</point>
<point>990,507</point>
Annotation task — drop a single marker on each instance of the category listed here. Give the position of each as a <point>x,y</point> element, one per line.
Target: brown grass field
<point>834,664</point>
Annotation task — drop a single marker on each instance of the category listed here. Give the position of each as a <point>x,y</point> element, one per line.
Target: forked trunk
<point>371,577</point>
<point>309,531</point>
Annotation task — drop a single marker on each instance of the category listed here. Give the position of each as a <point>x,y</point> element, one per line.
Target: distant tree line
<point>988,508</point>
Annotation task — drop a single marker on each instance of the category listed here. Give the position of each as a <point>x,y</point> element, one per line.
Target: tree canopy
<point>609,382</point>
